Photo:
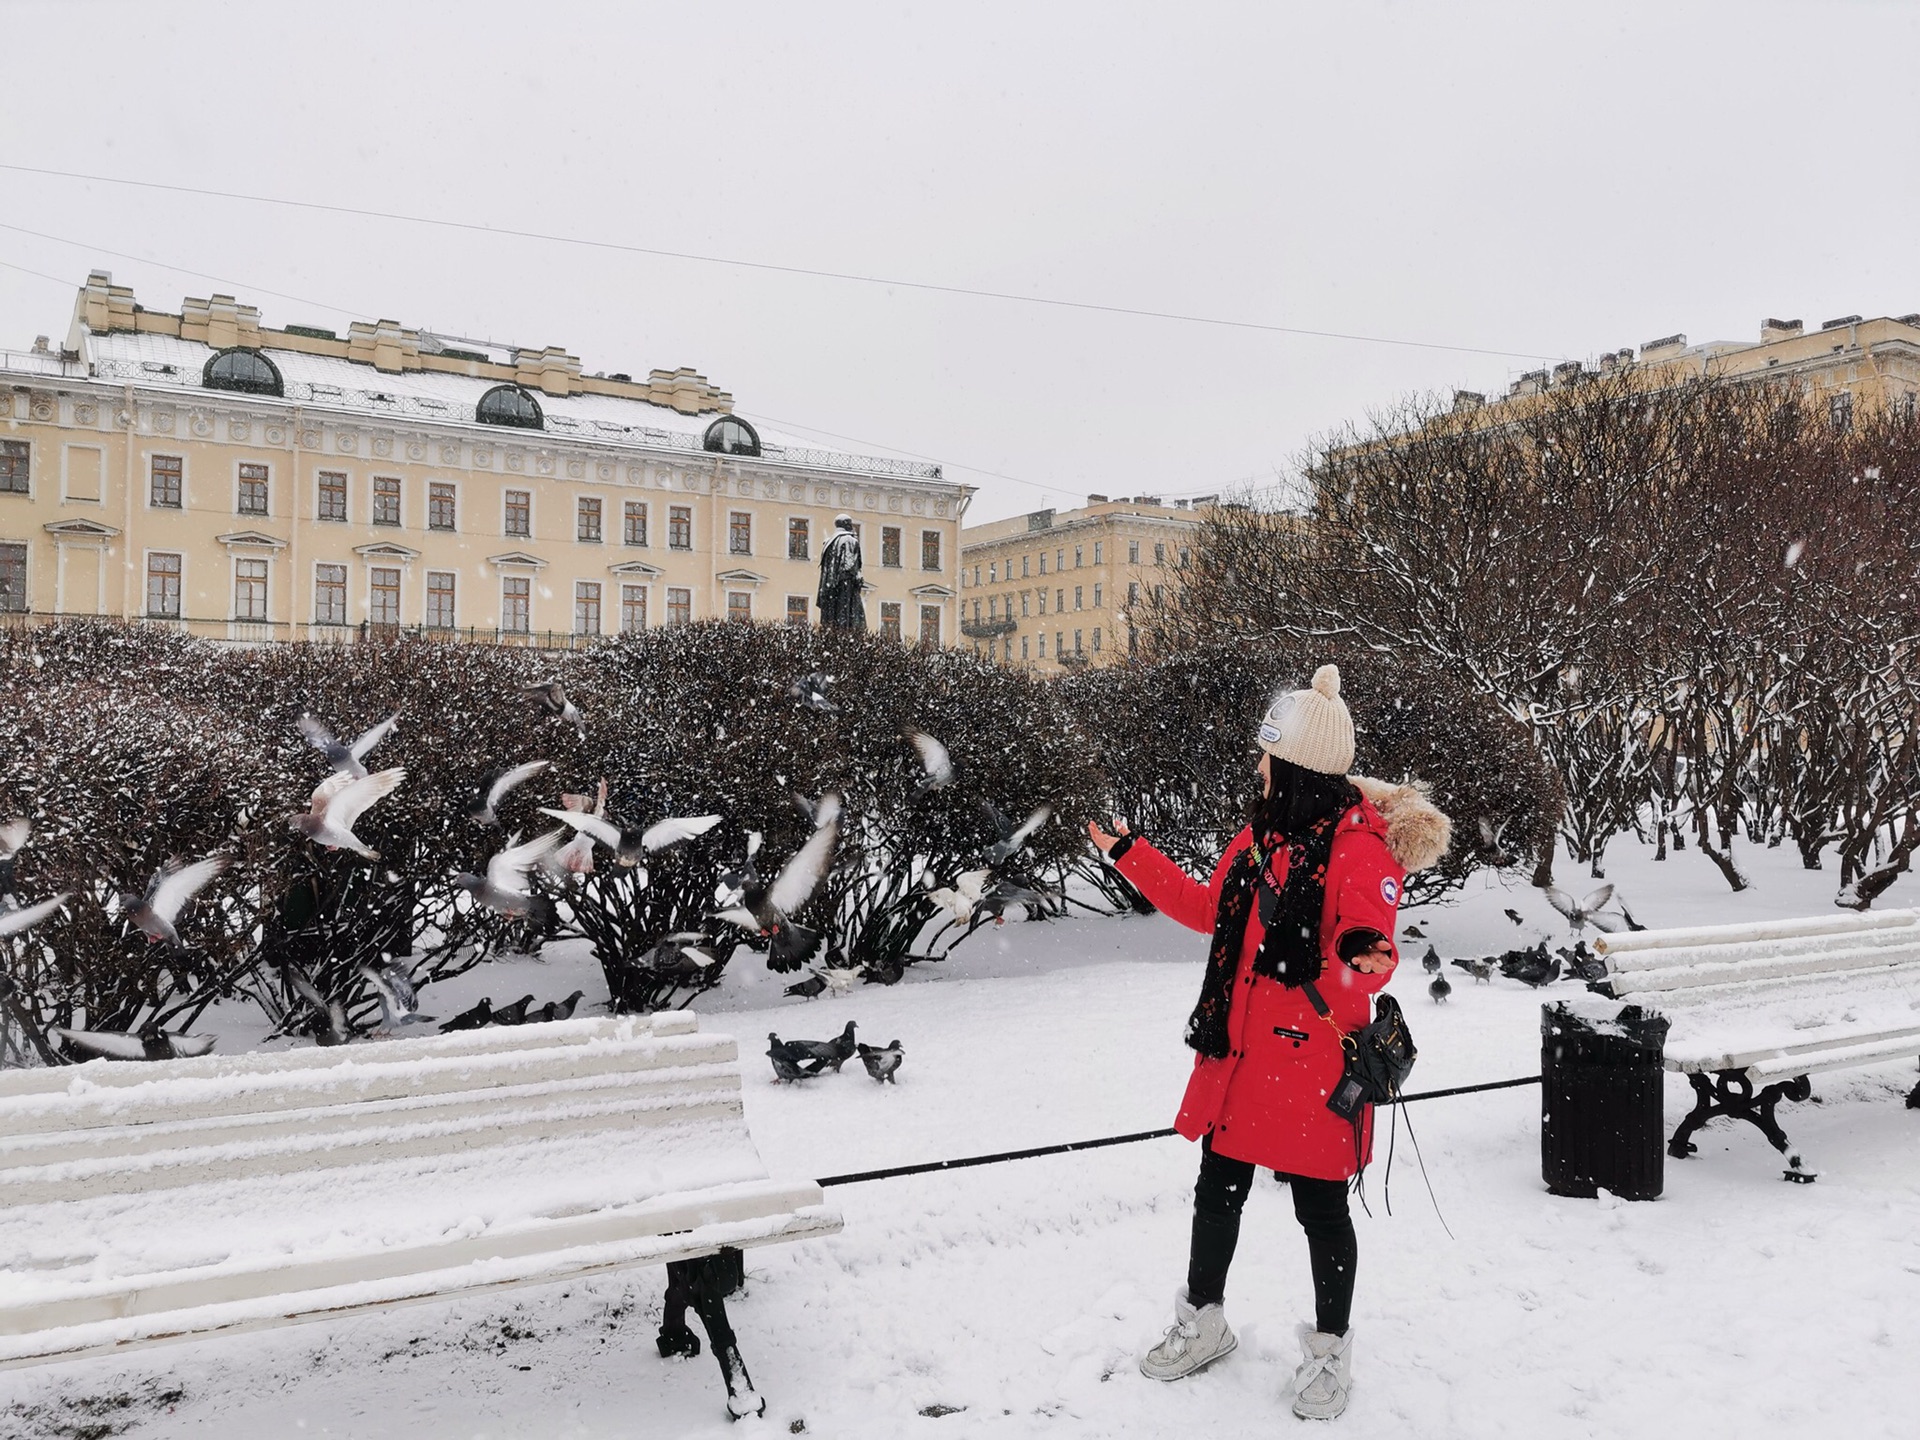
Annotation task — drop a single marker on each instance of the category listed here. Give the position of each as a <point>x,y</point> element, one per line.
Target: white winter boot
<point>1325,1376</point>
<point>1194,1341</point>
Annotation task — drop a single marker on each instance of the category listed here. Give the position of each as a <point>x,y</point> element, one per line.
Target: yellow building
<point>1051,589</point>
<point>201,471</point>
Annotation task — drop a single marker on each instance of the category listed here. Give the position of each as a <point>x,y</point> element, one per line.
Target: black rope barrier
<point>967,1162</point>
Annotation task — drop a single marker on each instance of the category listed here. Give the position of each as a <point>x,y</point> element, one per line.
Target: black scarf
<point>1301,814</point>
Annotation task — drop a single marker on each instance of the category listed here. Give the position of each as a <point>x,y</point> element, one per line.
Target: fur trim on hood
<point>1417,833</point>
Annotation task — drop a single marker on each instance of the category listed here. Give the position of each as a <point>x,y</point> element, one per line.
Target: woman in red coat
<point>1304,900</point>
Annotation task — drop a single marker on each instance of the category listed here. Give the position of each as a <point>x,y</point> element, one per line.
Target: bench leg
<point>1730,1094</point>
<point>704,1284</point>
<point>1913,1098</point>
<point>728,1271</point>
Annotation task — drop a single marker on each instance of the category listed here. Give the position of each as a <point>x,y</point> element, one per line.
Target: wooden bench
<point>1758,1008</point>
<point>142,1202</point>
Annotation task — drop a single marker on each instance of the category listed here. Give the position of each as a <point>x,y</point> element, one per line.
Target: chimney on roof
<point>1772,330</point>
<point>1201,502</point>
<point>1146,499</point>
<point>1665,348</point>
<point>1531,383</point>
<point>1909,319</point>
<point>1836,324</point>
<point>1467,400</point>
<point>1568,372</point>
<point>1096,499</point>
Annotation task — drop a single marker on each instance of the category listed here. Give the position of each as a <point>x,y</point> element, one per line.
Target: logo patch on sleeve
<point>1389,890</point>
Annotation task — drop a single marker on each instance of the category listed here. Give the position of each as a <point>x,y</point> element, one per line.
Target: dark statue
<point>839,597</point>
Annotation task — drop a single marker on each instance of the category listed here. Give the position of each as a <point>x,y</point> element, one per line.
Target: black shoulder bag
<point>1379,1056</point>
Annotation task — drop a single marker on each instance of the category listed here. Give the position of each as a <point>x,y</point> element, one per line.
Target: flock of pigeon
<point>1535,964</point>
<point>803,1059</point>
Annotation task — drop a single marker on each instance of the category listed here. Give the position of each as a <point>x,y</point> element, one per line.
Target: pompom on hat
<point>1312,727</point>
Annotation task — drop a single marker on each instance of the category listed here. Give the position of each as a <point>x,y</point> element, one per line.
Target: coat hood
<point>1418,834</point>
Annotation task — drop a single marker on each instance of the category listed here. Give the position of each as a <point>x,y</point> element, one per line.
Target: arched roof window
<point>247,371</point>
<point>510,405</point>
<point>730,435</point>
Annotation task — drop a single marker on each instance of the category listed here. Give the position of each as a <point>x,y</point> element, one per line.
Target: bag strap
<point>1322,1009</point>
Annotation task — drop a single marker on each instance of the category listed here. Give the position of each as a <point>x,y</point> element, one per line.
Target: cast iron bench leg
<point>1730,1094</point>
<point>704,1283</point>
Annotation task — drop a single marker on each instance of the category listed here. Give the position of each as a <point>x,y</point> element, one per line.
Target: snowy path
<point>1736,1306</point>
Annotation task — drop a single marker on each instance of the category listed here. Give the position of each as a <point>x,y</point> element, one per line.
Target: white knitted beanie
<point>1312,728</point>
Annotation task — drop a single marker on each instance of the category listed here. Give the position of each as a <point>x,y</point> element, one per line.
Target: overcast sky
<point>1533,180</point>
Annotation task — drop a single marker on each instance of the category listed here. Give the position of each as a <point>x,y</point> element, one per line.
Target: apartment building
<point>202,471</point>
<point>1050,589</point>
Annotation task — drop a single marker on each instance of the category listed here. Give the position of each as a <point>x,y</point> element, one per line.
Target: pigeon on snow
<point>882,1061</point>
<point>808,988</point>
<point>477,1018</point>
<point>504,887</point>
<point>788,1059</point>
<point>551,696</point>
<point>1414,932</point>
<point>1012,839</point>
<point>482,806</point>
<point>399,1004</point>
<point>1440,989</point>
<point>514,1014</point>
<point>122,1045</point>
<point>167,894</point>
<point>1430,961</point>
<point>348,760</point>
<point>561,1009</point>
<point>831,1054</point>
<point>677,955</point>
<point>934,759</point>
<point>338,803</point>
<point>1003,895</point>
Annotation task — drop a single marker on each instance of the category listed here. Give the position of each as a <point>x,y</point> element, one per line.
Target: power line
<point>927,286</point>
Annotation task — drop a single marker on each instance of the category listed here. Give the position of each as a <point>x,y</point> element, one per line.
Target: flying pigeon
<point>732,887</point>
<point>1005,894</point>
<point>1431,961</point>
<point>934,759</point>
<point>808,988</point>
<point>576,856</point>
<point>831,1054</point>
<point>787,1060</point>
<point>1440,989</point>
<point>1515,916</point>
<point>1011,839</point>
<point>960,899</point>
<point>167,893</point>
<point>122,1045</point>
<point>337,805</point>
<point>551,696</point>
<point>1585,912</point>
<point>329,1026</point>
<point>882,1061</point>
<point>25,917</point>
<point>561,1009</point>
<point>399,1004</point>
<point>765,908</point>
<point>809,692</point>
<point>1493,841</point>
<point>630,842</point>
<point>478,1018</point>
<point>348,760</point>
<point>482,806</point>
<point>504,887</point>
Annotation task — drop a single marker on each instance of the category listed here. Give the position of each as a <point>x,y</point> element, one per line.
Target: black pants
<point>1319,1205</point>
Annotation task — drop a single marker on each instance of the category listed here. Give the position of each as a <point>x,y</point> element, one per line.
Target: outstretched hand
<point>1376,960</point>
<point>1102,841</point>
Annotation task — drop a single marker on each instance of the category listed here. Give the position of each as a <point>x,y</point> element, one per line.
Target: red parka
<point>1266,1102</point>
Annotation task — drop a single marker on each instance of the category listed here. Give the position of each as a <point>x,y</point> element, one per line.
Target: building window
<point>1076,557</point>
<point>993,607</point>
<point>739,606</point>
<point>1133,641</point>
<point>739,532</point>
<point>1133,592</point>
<point>1099,549</point>
<point>1159,594</point>
<point>519,516</point>
<point>16,459</point>
<point>731,435</point>
<point>1076,597</point>
<point>516,604</point>
<point>386,500</point>
<point>679,608</point>
<point>890,619</point>
<point>1183,555</point>
<point>163,586</point>
<point>249,589</point>
<point>890,551</point>
<point>1098,590</point>
<point>512,406</point>
<point>930,552</point>
<point>679,527</point>
<point>253,490</point>
<point>440,505</point>
<point>1840,411</point>
<point>586,607</point>
<point>1059,599</point>
<point>930,627</point>
<point>1159,553</point>
<point>384,593</point>
<point>1043,601</point>
<point>586,523</point>
<point>993,574</point>
<point>1023,647</point>
<point>1023,565</point>
<point>1043,644</point>
<point>166,483</point>
<point>1060,559</point>
<point>799,538</point>
<point>440,586</point>
<point>976,574</point>
<point>329,594</point>
<point>1133,552</point>
<point>1059,643</point>
<point>1025,596</point>
<point>633,609</point>
<point>13,577</point>
<point>797,610</point>
<point>247,371</point>
<point>633,523</point>
<point>1043,562</point>
<point>1096,639</point>
<point>332,497</point>
<point>1076,642</point>
<point>976,608</point>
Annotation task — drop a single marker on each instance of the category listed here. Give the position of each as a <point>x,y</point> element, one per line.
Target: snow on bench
<point>144,1201</point>
<point>1768,1004</point>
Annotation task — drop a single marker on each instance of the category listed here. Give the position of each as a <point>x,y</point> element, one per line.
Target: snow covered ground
<point>1014,1298</point>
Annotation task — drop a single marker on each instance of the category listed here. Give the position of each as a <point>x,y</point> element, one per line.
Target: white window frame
<point>400,602</point>
<point>234,562</point>
<point>459,504</point>
<point>146,572</point>
<point>147,457</point>
<point>266,514</point>
<point>347,475</point>
<point>346,592</point>
<point>533,519</point>
<point>426,595</point>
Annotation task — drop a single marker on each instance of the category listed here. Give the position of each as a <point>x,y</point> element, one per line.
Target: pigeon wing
<point>173,888</point>
<point>738,915</point>
<point>800,875</point>
<point>1609,923</point>
<point>674,829</point>
<point>318,735</point>
<point>607,834</point>
<point>323,793</point>
<point>354,798</point>
<point>12,922</point>
<point>518,775</point>
<point>304,988</point>
<point>1598,898</point>
<point>1561,901</point>
<point>13,838</point>
<point>508,870</point>
<point>373,737</point>
<point>1033,823</point>
<point>111,1044</point>
<point>972,884</point>
<point>933,756</point>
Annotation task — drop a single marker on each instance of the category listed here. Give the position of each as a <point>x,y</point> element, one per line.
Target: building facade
<point>1051,589</point>
<point>204,472</point>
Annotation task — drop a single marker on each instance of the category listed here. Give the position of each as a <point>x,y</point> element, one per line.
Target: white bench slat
<point>1764,968</point>
<point>1716,1054</point>
<point>1742,932</point>
<point>1843,1057</point>
<point>1893,943</point>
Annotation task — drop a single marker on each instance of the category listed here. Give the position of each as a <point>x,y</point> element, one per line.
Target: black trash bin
<point>1601,1082</point>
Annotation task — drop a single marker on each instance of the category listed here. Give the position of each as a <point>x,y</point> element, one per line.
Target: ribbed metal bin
<point>1601,1082</point>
